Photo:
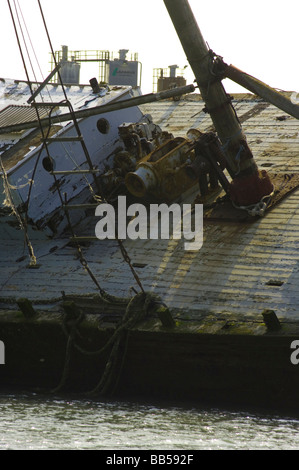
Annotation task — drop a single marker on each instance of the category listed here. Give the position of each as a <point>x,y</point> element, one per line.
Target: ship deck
<point>242,268</point>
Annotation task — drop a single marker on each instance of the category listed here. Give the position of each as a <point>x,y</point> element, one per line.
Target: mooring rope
<point>137,310</point>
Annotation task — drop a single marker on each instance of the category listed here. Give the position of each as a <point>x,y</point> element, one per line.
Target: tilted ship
<point>145,317</point>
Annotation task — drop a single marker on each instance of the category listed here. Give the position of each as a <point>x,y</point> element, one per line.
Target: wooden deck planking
<point>228,276</point>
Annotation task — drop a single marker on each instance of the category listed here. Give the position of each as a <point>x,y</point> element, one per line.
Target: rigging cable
<point>30,87</point>
<point>32,47</point>
<point>121,246</point>
<point>42,98</point>
<point>23,36</point>
<point>23,223</point>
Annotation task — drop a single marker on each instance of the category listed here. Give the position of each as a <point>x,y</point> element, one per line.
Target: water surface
<point>29,422</point>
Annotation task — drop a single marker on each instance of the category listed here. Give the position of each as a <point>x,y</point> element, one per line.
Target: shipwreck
<point>147,318</point>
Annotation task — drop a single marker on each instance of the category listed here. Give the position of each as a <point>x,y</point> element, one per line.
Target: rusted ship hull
<point>203,363</point>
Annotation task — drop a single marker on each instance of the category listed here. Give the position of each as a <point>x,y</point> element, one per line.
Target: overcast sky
<point>259,37</point>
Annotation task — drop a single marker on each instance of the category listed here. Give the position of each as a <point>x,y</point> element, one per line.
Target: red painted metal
<point>248,190</point>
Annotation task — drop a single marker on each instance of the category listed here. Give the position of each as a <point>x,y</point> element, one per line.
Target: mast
<point>240,161</point>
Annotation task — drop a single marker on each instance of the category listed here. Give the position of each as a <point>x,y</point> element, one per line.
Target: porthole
<point>48,164</point>
<point>103,126</point>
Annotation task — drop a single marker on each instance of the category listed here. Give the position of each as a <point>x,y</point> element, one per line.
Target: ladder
<point>78,137</point>
<point>91,170</point>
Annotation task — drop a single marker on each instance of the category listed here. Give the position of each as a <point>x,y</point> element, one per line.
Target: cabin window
<point>103,126</point>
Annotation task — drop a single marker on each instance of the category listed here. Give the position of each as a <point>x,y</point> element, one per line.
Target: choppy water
<point>30,422</point>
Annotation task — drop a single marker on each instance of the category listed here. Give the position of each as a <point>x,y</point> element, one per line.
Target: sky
<point>259,37</point>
